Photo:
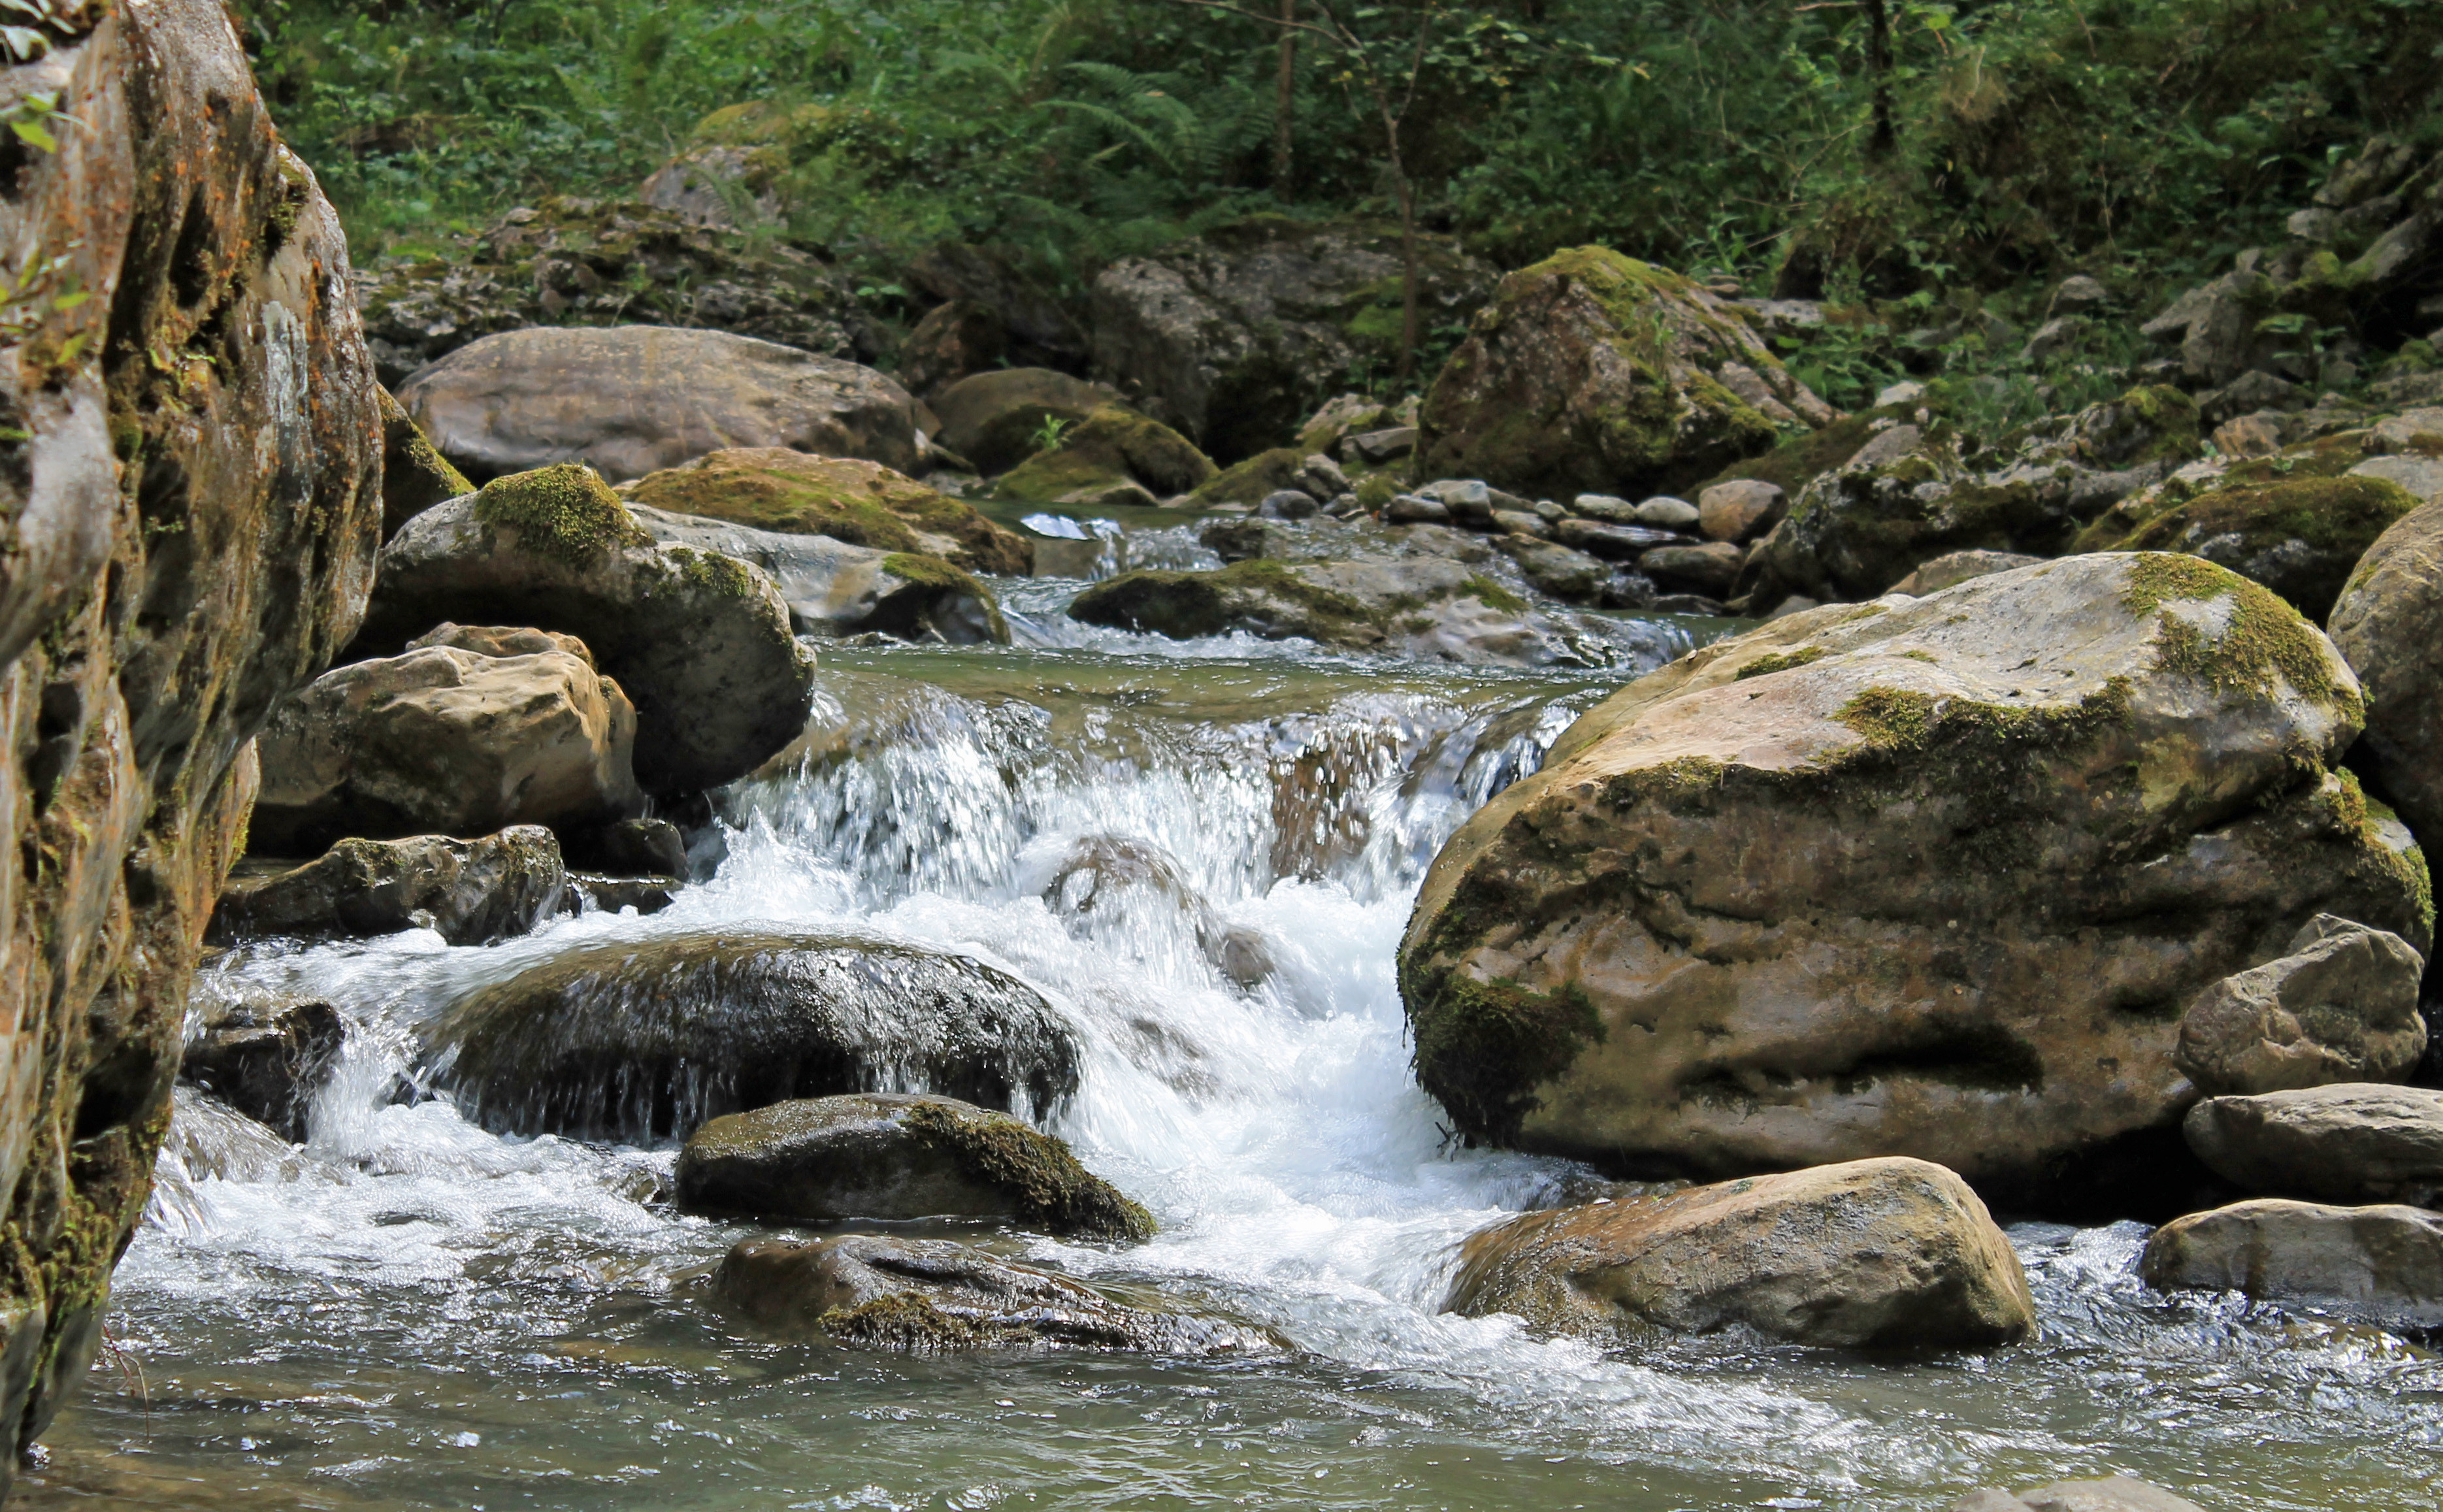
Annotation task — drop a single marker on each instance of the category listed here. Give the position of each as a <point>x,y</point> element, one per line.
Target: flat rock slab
<point>2348,1143</point>
<point>2381,1264</point>
<point>470,891</point>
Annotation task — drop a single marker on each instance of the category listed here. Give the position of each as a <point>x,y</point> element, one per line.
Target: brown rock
<point>995,420</point>
<point>2384,1263</point>
<point>1739,509</point>
<point>470,891</point>
<point>955,341</point>
<point>864,503</point>
<point>2387,622</point>
<point>2347,1143</point>
<point>2340,1006</point>
<point>1710,569</point>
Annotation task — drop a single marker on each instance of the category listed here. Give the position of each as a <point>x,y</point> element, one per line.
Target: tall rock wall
<point>190,502</point>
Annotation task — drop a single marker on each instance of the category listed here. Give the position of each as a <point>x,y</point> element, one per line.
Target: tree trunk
<point>1283,98</point>
<point>1411,334</point>
<point>1878,67</point>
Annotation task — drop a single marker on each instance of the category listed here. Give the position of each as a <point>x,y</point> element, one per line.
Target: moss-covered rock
<point>415,476</point>
<point>2388,623</point>
<point>1940,883</point>
<point>862,503</point>
<point>833,588</point>
<point>470,892</point>
<point>2300,537</point>
<point>897,1155</point>
<point>1265,473</point>
<point>1114,455</point>
<point>996,420</point>
<point>1593,372</point>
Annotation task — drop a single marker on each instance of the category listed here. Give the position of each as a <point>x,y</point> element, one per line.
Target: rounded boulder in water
<point>640,1038</point>
<point>897,1155</point>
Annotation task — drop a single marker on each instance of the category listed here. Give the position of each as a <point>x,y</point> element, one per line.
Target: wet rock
<point>995,420</point>
<point>449,741</point>
<point>1930,876</point>
<point>833,588</point>
<point>1592,373</point>
<point>1873,1254</point>
<point>1616,543</point>
<point>530,398</point>
<point>700,643</point>
<point>2114,1493</point>
<point>929,1295</point>
<point>1957,567</point>
<point>2340,1006</point>
<point>864,503</point>
<point>564,261</point>
<point>1740,508</point>
<point>1233,337</point>
<point>2383,1265</point>
<point>631,847</point>
<point>640,1038</point>
<point>211,1141</point>
<point>2387,622</point>
<point>1436,610</point>
<point>264,1055</point>
<point>2345,1143</point>
<point>415,476</point>
<point>1114,456</point>
<point>2299,537</point>
<point>1104,882</point>
<point>472,892</point>
<point>1708,570</point>
<point>178,301</point>
<point>614,895</point>
<point>897,1155</point>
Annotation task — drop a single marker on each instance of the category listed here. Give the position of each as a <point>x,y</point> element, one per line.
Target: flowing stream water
<point>409,1311</point>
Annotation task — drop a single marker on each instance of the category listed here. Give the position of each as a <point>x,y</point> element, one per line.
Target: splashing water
<point>1203,858</point>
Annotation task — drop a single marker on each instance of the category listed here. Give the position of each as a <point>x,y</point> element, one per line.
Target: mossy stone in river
<point>1112,453</point>
<point>641,1039</point>
<point>864,503</point>
<point>2300,537</point>
<point>897,1155</point>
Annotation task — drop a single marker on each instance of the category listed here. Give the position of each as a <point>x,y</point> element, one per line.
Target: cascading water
<point>1201,856</point>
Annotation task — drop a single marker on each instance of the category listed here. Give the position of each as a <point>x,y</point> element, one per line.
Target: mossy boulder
<point>996,420</point>
<point>1114,455</point>
<point>701,642</point>
<point>833,588</point>
<point>1932,877</point>
<point>862,503</point>
<point>1593,372</point>
<point>2300,537</point>
<point>415,476</point>
<point>1237,336</point>
<point>897,1155</point>
<point>639,1040</point>
<point>2388,624</point>
<point>1253,480</point>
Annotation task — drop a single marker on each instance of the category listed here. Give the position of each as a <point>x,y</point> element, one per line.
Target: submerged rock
<point>1873,1254</point>
<point>927,1295</point>
<point>2383,1265</point>
<point>833,588</point>
<point>631,847</point>
<point>2114,1493</point>
<point>470,892</point>
<point>642,1039</point>
<point>897,1155</point>
<point>1931,877</point>
<point>1104,881</point>
<point>700,643</point>
<point>2347,1143</point>
<point>864,503</point>
<point>604,396</point>
<point>2340,1005</point>
<point>264,1054</point>
<point>1592,373</point>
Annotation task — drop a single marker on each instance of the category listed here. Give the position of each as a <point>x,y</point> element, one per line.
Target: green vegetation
<point>1773,661</point>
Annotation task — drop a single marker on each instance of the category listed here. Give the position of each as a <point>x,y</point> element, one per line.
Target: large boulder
<point>2383,1265</point>
<point>1906,498</point>
<point>1235,337</point>
<point>470,892</point>
<point>1593,372</point>
<point>897,1155</point>
<point>833,588</point>
<point>189,510</point>
<point>1930,876</point>
<point>2347,1143</point>
<point>700,643</point>
<point>466,733</point>
<point>1113,457</point>
<point>2340,1005</point>
<point>2388,623</point>
<point>627,399</point>
<point>930,1295</point>
<point>864,503</point>
<point>645,1038</point>
<point>995,420</point>
<point>1873,1254</point>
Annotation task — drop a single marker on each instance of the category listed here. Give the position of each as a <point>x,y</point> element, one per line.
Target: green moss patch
<point>1483,1047</point>
<point>2263,637</point>
<point>2325,512</point>
<point>1053,1189</point>
<point>913,1325</point>
<point>1765,666</point>
<point>565,511</point>
<point>861,503</point>
<point>1493,595</point>
<point>1112,446</point>
<point>1249,481</point>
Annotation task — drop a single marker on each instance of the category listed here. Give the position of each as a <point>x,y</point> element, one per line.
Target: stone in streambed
<point>644,1037</point>
<point>2340,1005</point>
<point>631,847</point>
<point>996,419</point>
<point>1872,1254</point>
<point>470,891</point>
<point>2383,1265</point>
<point>897,1155</point>
<point>2348,1143</point>
<point>2113,1493</point>
<point>862,503</point>
<point>264,1054</point>
<point>2388,623</point>
<point>930,1295</point>
<point>833,588</point>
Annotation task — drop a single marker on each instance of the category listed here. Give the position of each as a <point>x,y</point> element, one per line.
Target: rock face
<point>265,1058</point>
<point>897,1155</point>
<point>605,397</point>
<point>2383,1265</point>
<point>1873,1254</point>
<point>2114,1493</point>
<point>701,644</point>
<point>641,1040</point>
<point>470,891</point>
<point>993,419</point>
<point>188,518</point>
<point>1438,610</point>
<point>450,741</point>
<point>833,588</point>
<point>1235,337</point>
<point>2387,622</point>
<point>2348,1143</point>
<point>1591,373</point>
<point>2341,1006</point>
<point>1930,876</point>
<point>927,1295</point>
<point>864,503</point>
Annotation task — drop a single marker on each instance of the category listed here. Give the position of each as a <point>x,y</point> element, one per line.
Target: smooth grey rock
<point>1667,513</point>
<point>2350,1143</point>
<point>2420,474</point>
<point>1957,567</point>
<point>834,588</point>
